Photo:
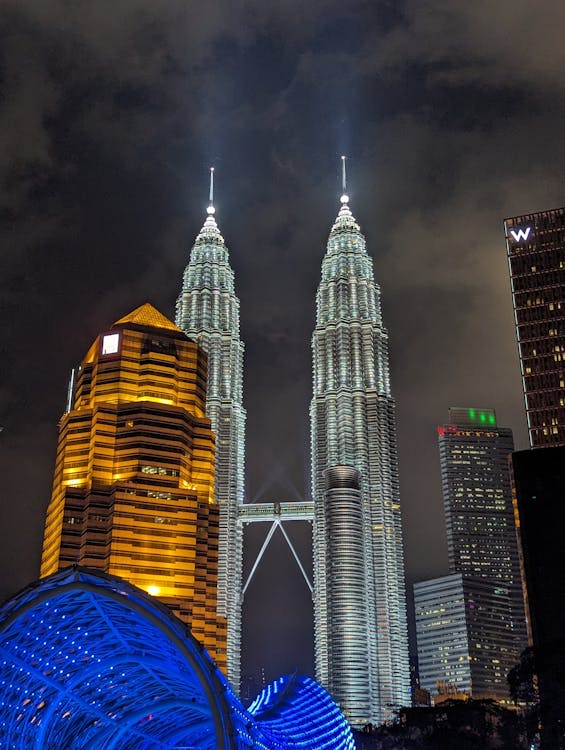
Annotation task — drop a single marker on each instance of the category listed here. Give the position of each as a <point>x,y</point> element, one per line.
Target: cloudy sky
<point>110,113</point>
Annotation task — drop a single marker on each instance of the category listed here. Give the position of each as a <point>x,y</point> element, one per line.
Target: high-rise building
<point>133,490</point>
<point>464,635</point>
<point>483,549</point>
<point>352,419</point>
<point>441,633</point>
<point>477,495</point>
<point>208,312</point>
<point>346,593</point>
<point>539,482</point>
<point>535,245</point>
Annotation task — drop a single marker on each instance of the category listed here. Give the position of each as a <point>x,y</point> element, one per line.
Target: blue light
<point>122,671</point>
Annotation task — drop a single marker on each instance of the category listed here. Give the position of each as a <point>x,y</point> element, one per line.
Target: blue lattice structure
<point>89,661</point>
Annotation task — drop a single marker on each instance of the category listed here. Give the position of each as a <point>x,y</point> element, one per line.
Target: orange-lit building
<point>133,491</point>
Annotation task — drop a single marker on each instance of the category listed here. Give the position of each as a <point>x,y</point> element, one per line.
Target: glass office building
<point>535,245</point>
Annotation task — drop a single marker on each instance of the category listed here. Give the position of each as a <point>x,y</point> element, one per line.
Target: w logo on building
<point>521,235</point>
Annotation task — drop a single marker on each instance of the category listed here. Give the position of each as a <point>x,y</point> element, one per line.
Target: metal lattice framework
<point>89,661</point>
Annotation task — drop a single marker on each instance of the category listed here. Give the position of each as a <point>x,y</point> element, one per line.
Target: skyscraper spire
<point>211,209</point>
<point>344,197</point>
<point>352,422</point>
<point>208,311</point>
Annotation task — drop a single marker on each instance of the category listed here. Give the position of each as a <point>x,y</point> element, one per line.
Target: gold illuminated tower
<point>133,491</point>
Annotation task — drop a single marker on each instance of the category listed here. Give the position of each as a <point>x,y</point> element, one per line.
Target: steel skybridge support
<point>275,514</point>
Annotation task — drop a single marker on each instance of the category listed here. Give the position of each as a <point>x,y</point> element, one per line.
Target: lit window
<point>110,343</point>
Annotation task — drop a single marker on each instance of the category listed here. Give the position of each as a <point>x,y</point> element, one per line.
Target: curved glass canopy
<point>89,661</point>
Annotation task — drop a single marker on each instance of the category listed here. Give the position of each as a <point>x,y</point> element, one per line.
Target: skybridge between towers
<point>275,513</point>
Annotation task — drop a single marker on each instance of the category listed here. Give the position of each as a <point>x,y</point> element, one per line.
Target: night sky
<point>452,114</point>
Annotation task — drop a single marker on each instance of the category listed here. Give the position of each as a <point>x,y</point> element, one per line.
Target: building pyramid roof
<point>147,315</point>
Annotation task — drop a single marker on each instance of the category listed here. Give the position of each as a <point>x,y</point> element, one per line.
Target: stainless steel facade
<point>352,418</point>
<point>208,312</point>
<point>346,593</point>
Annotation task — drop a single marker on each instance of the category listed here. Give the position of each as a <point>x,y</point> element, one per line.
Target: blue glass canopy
<point>89,661</point>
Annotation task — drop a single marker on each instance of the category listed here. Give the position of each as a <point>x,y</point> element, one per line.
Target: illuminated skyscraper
<point>133,491</point>
<point>484,561</point>
<point>535,245</point>
<point>477,495</point>
<point>208,312</point>
<point>465,636</point>
<point>352,417</point>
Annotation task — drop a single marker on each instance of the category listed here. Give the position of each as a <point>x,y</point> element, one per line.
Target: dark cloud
<point>452,115</point>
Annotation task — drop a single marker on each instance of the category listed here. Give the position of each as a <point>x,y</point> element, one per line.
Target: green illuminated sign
<point>483,417</point>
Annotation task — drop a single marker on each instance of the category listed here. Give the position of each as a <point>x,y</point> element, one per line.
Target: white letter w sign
<point>521,234</point>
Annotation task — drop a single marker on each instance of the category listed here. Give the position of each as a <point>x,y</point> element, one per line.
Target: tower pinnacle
<point>211,209</point>
<point>344,197</point>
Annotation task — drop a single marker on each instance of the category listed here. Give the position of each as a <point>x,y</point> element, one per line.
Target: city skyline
<point>110,125</point>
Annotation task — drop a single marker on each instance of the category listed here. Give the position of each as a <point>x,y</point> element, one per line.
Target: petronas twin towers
<point>361,641</point>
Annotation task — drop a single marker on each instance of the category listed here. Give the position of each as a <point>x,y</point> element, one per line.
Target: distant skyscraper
<point>208,312</point>
<point>482,544</point>
<point>477,495</point>
<point>352,417</point>
<point>536,255</point>
<point>441,633</point>
<point>464,635</point>
<point>134,473</point>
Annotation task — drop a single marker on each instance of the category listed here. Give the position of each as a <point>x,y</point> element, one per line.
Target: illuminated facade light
<point>208,312</point>
<point>89,661</point>
<point>477,496</point>
<point>346,592</point>
<point>535,245</point>
<point>134,473</point>
<point>352,422</point>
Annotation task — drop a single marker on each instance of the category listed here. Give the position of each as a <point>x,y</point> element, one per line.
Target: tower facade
<point>482,540</point>
<point>352,419</point>
<point>208,312</point>
<point>133,490</point>
<point>346,593</point>
<point>477,495</point>
<point>465,636</point>
<point>535,245</point>
<point>442,634</point>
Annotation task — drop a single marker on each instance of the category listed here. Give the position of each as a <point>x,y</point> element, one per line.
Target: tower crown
<point>210,233</point>
<point>345,221</point>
